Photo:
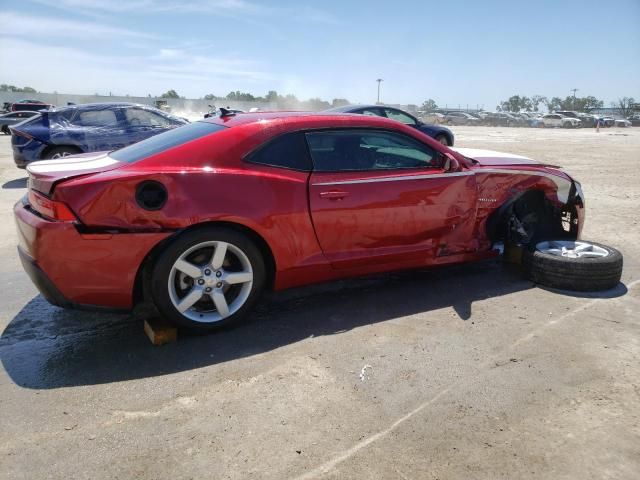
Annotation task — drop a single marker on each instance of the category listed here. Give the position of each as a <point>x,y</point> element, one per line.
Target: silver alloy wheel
<point>61,155</point>
<point>210,281</point>
<point>572,249</point>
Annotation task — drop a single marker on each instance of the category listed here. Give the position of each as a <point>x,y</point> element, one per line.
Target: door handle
<point>334,194</point>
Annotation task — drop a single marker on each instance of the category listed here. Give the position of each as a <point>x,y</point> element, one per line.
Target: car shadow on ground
<point>17,183</point>
<point>46,347</point>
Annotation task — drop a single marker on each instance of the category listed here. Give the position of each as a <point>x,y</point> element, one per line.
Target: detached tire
<point>573,265</point>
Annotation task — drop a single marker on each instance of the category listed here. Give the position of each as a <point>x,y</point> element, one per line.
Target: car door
<point>93,130</point>
<point>384,195</point>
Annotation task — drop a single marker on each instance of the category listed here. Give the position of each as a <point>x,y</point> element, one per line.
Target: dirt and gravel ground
<point>467,372</point>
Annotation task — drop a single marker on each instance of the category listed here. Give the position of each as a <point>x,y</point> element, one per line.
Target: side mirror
<point>450,163</point>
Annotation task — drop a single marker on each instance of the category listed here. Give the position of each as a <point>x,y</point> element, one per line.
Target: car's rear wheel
<point>573,265</point>
<point>208,278</point>
<point>60,152</point>
<point>5,130</point>
<point>442,138</point>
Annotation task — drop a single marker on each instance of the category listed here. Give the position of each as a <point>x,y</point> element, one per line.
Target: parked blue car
<point>441,134</point>
<point>90,127</point>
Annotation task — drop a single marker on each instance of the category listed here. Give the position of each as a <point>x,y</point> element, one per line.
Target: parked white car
<point>622,122</point>
<point>557,120</point>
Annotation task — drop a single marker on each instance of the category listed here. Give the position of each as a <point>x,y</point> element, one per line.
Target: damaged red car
<point>200,220</point>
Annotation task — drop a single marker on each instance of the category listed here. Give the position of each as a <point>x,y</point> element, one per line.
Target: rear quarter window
<point>285,151</point>
<point>165,141</point>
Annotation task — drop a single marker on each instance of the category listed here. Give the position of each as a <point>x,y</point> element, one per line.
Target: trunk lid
<point>45,174</point>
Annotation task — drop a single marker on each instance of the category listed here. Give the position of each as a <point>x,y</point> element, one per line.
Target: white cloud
<point>85,72</point>
<point>239,9</point>
<point>18,24</point>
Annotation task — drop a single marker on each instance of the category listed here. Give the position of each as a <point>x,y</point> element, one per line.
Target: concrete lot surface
<point>467,372</point>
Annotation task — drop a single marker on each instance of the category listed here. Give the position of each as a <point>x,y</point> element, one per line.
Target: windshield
<point>164,141</point>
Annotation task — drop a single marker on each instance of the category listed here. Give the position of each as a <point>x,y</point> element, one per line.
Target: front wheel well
<point>143,276</point>
<point>531,217</point>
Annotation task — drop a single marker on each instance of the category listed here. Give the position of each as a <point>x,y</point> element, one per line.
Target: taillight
<point>18,133</point>
<point>50,208</point>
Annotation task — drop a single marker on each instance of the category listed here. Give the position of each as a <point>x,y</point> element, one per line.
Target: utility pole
<point>574,90</point>
<point>379,80</point>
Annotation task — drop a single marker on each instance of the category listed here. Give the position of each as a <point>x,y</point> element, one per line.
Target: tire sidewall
<point>574,274</point>
<point>162,268</point>
<point>612,257</point>
<point>53,151</point>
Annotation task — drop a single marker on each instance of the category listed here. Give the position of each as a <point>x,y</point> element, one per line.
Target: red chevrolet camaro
<point>199,220</point>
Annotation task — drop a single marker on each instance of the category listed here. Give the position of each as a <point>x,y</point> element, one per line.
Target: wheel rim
<point>572,249</point>
<point>443,140</point>
<point>61,155</point>
<point>210,281</point>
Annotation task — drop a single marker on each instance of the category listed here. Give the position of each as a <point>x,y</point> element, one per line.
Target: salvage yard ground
<point>458,373</point>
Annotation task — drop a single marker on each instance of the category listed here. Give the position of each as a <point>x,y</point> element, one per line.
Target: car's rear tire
<point>207,278</point>
<point>5,130</point>
<point>60,152</point>
<point>573,265</point>
<point>443,139</point>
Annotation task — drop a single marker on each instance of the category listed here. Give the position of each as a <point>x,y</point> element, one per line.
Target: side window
<point>372,112</point>
<point>97,118</point>
<point>357,150</point>
<point>138,117</point>
<point>399,116</point>
<point>286,151</point>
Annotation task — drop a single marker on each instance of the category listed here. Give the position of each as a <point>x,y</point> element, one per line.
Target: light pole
<point>379,80</point>
<point>574,90</point>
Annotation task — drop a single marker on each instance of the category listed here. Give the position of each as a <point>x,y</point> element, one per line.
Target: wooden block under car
<point>160,333</point>
<point>513,254</point>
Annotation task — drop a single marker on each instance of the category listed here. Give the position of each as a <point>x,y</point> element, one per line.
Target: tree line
<point>12,88</point>
<point>288,101</point>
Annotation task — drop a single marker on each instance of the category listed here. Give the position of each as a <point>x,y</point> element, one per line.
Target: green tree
<point>339,102</point>
<point>272,96</point>
<point>624,106</point>
<point>170,94</point>
<point>515,103</point>
<point>536,100</point>
<point>553,104</point>
<point>429,105</point>
<point>12,88</point>
<point>210,96</point>
<point>240,96</point>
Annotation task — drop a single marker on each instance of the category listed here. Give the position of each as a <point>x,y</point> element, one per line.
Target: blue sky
<point>456,52</point>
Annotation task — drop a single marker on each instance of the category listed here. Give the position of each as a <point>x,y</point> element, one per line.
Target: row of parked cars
<point>59,132</point>
<point>563,119</point>
<point>52,133</point>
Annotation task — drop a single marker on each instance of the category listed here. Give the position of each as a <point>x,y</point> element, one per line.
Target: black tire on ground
<point>566,125</point>
<point>161,271</point>
<point>442,138</point>
<point>577,274</point>
<point>5,130</point>
<point>59,152</point>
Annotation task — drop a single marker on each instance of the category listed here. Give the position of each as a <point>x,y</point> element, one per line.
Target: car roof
<point>100,106</point>
<point>302,119</point>
<point>351,108</point>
